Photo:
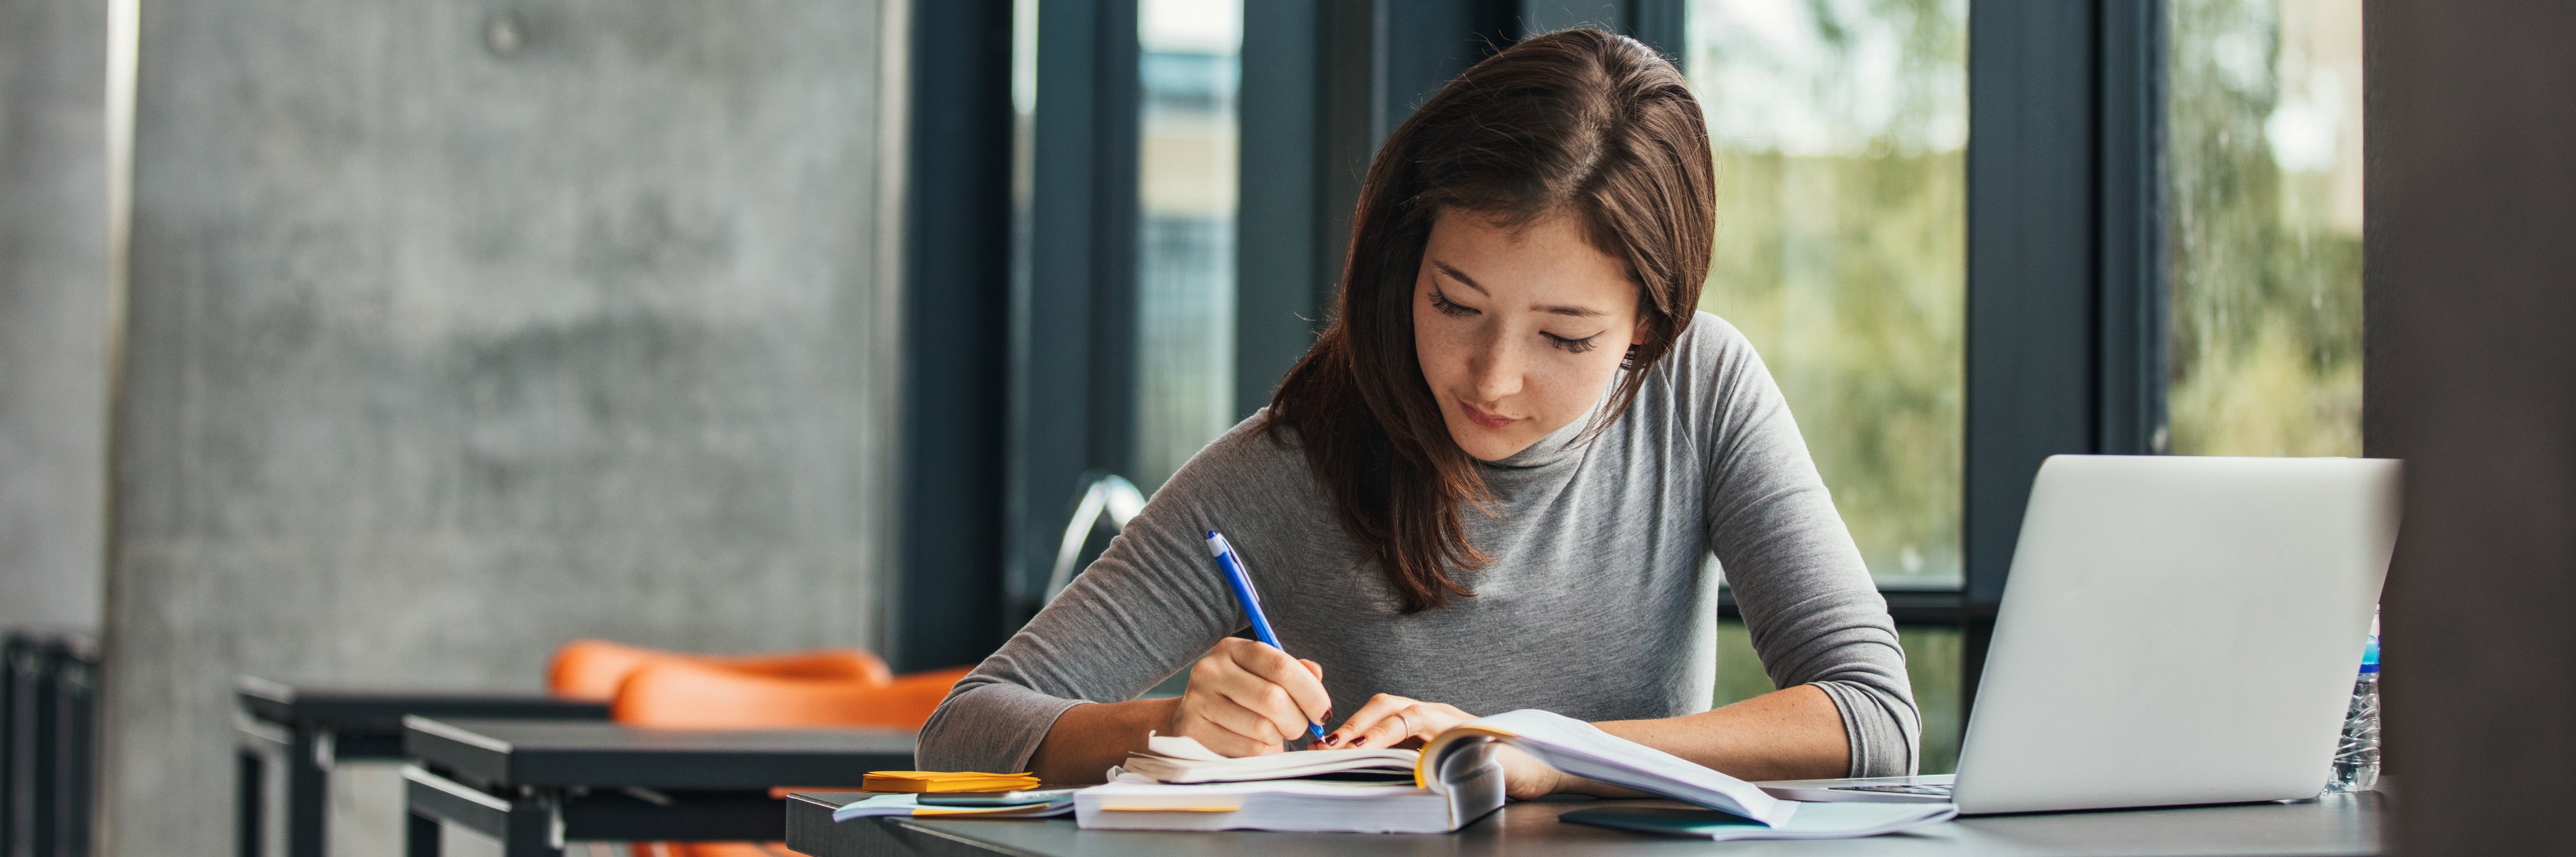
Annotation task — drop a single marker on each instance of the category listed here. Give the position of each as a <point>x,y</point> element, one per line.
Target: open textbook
<point>1177,785</point>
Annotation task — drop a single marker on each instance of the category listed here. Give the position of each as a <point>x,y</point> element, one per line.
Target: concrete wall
<point>460,329</point>
<point>53,314</point>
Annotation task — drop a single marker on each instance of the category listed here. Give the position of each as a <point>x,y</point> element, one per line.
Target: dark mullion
<point>2032,297</point>
<point>1348,129</point>
<point>1280,271</point>
<point>946,605</point>
<point>2131,179</point>
<point>1117,213</point>
<point>1425,43</point>
<point>1074,320</point>
<point>1661,24</point>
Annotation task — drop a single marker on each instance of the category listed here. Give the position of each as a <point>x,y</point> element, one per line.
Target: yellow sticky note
<point>946,781</point>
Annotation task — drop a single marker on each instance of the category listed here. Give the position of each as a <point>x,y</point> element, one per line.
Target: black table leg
<point>250,786</point>
<point>530,832</point>
<point>528,825</point>
<point>308,795</point>
<point>420,835</point>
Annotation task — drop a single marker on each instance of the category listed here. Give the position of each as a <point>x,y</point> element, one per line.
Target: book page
<point>1583,750</point>
<point>1180,747</point>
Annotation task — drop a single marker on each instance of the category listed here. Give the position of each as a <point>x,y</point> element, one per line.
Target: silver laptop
<point>2176,630</point>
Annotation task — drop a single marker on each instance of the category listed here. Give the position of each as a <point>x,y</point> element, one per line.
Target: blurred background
<point>374,343</point>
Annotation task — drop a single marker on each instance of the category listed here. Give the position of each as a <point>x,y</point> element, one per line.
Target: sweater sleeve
<point>1144,610</point>
<point>1814,614</point>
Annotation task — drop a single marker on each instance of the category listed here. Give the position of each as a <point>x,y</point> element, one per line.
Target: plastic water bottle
<point>2356,761</point>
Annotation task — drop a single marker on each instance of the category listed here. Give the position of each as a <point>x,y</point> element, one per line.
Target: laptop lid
<point>2178,630</point>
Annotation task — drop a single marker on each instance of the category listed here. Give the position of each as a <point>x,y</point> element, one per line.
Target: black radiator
<point>48,743</point>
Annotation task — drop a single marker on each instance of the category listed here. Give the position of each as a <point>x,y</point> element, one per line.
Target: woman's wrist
<point>1089,738</point>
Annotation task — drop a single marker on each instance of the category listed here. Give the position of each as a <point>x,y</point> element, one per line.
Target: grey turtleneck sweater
<point>1597,603</point>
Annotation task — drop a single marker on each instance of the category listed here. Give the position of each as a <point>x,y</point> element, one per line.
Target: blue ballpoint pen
<point>1241,583</point>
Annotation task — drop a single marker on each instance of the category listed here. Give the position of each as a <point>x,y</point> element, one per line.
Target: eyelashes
<point>1576,346</point>
<point>1446,307</point>
<point>1453,309</point>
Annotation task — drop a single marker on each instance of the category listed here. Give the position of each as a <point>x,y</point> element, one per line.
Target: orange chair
<point>593,669</point>
<point>686,694</point>
<point>682,695</point>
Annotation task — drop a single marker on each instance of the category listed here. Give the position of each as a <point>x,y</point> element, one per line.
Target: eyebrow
<point>1461,276</point>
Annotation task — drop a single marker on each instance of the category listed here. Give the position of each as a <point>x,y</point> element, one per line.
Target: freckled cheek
<point>1444,354</point>
<point>1545,393</point>
<point>1566,386</point>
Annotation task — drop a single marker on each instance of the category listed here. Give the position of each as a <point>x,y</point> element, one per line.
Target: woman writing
<point>1488,486</point>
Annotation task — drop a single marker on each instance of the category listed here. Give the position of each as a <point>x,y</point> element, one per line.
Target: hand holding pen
<point>1246,698</point>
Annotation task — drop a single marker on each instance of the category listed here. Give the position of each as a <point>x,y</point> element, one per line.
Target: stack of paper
<point>946,781</point>
<point>1293,805</point>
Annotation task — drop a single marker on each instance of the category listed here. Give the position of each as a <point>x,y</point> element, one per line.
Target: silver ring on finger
<point>1407,721</point>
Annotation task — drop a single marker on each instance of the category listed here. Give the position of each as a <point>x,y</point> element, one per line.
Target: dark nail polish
<point>1328,715</point>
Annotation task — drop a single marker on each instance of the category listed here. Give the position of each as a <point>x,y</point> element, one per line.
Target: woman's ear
<point>1637,340</point>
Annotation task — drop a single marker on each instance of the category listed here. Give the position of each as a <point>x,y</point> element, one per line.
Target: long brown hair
<point>1580,123</point>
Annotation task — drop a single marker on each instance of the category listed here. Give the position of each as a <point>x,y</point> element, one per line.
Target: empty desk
<point>535,785</point>
<point>303,731</point>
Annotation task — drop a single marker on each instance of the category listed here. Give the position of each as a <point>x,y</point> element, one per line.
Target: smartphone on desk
<point>1016,798</point>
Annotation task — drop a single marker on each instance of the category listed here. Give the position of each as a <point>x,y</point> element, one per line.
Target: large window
<point>2169,186</point>
<point>1840,128</point>
<point>2264,227</point>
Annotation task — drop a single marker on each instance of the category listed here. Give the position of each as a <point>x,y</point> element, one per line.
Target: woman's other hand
<point>1246,698</point>
<point>1389,720</point>
<point>1394,721</point>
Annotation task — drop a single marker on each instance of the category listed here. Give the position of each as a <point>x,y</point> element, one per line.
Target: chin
<point>1481,443</point>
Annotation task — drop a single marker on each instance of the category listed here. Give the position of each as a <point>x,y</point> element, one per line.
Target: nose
<point>1495,370</point>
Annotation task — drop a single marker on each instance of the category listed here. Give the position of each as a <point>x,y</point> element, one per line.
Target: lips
<point>1484,417</point>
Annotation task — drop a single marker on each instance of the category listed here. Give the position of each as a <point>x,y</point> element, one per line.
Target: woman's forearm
<point>1791,734</point>
<point>1091,737</point>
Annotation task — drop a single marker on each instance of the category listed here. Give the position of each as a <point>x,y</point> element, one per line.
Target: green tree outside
<point>2264,227</point>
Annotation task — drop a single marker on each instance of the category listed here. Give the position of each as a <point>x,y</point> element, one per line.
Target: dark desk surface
<point>382,711</point>
<point>574,753</point>
<point>2335,825</point>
